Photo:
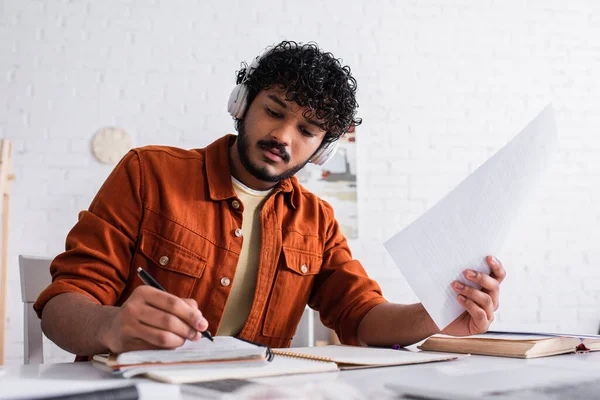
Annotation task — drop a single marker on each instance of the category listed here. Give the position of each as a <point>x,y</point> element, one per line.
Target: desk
<point>471,375</point>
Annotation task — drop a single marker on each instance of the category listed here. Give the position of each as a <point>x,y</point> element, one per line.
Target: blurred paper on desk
<point>473,220</point>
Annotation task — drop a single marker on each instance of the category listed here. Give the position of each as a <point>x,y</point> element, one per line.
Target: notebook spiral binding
<point>270,354</point>
<point>300,355</point>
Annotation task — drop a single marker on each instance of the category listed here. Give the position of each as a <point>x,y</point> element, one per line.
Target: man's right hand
<point>153,319</point>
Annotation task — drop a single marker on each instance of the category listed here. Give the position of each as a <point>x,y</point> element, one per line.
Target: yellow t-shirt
<point>244,282</point>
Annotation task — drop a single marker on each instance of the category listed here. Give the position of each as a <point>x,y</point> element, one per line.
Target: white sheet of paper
<point>224,347</point>
<point>473,220</point>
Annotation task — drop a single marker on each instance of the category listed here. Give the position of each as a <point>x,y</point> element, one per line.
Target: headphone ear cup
<point>325,153</point>
<point>238,101</point>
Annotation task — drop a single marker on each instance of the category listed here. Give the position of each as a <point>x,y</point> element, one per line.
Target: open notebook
<point>351,357</point>
<point>509,344</point>
<point>225,349</point>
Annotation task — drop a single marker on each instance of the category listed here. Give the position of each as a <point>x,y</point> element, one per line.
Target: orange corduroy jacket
<point>175,213</point>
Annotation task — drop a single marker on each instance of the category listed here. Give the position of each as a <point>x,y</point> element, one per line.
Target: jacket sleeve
<point>100,246</point>
<point>342,293</point>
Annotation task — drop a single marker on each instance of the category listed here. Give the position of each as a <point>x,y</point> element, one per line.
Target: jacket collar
<point>218,172</point>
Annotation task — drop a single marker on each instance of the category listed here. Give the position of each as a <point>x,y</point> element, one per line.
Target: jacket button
<point>164,260</point>
<point>238,232</point>
<point>235,204</point>
<point>225,281</point>
<point>304,268</point>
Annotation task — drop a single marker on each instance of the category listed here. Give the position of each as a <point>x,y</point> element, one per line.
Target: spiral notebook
<point>301,360</point>
<point>353,357</point>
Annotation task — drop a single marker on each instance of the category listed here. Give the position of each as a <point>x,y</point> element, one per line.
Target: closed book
<point>120,393</point>
<point>512,344</point>
<point>62,389</point>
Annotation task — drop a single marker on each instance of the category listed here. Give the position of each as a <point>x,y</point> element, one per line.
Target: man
<point>238,244</point>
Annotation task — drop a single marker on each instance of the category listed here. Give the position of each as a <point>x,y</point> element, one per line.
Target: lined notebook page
<point>363,356</point>
<point>473,220</point>
<point>223,348</point>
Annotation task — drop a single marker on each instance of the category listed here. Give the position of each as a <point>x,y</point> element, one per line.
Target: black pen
<point>150,281</point>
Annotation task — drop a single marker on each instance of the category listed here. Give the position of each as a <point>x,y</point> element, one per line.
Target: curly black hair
<point>311,78</point>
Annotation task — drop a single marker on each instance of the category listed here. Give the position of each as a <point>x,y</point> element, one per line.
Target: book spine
<point>121,393</point>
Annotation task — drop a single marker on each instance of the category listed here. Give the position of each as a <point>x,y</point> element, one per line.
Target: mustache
<point>273,144</point>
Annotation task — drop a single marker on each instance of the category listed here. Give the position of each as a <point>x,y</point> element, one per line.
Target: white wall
<point>442,86</point>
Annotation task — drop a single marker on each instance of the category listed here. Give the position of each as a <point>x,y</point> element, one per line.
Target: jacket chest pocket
<point>291,289</point>
<point>176,268</point>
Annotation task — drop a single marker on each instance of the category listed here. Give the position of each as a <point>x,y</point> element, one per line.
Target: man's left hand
<point>479,304</point>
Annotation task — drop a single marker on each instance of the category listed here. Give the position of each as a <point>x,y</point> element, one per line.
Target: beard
<point>262,173</point>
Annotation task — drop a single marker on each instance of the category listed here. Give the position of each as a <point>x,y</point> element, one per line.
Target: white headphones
<point>238,101</point>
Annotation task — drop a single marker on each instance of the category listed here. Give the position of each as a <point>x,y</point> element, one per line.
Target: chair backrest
<point>35,277</point>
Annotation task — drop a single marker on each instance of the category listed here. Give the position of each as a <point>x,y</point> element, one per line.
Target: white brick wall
<point>442,86</point>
